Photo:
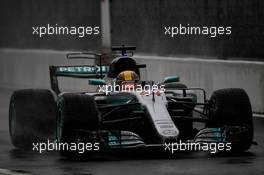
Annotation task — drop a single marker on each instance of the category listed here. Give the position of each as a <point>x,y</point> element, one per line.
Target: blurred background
<point>139,23</point>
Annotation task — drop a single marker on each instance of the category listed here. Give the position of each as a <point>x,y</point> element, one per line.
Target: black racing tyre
<point>32,117</point>
<point>171,86</point>
<point>231,107</point>
<point>75,111</point>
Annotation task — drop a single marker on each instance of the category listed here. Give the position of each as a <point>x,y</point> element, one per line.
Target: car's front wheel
<point>231,108</point>
<point>75,112</point>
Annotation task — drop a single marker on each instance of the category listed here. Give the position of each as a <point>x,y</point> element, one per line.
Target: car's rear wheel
<point>32,117</point>
<point>232,108</point>
<point>75,112</point>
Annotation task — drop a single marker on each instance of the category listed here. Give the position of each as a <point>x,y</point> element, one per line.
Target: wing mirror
<point>171,79</point>
<point>96,82</point>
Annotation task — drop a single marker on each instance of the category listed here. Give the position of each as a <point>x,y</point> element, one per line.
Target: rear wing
<point>82,71</point>
<point>88,71</point>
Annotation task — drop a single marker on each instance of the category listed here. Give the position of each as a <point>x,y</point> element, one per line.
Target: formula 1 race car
<point>127,112</point>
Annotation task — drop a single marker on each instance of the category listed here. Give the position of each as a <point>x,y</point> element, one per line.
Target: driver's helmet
<point>127,76</point>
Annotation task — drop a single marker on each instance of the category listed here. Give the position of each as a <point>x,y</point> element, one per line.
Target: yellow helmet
<point>127,75</point>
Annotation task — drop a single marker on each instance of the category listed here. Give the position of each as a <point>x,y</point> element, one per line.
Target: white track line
<point>258,115</point>
<point>10,172</point>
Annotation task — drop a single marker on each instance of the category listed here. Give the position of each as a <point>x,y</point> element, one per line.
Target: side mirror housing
<point>96,82</point>
<point>171,79</point>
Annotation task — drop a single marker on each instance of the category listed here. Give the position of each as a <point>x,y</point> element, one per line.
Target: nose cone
<point>167,130</point>
<point>160,116</point>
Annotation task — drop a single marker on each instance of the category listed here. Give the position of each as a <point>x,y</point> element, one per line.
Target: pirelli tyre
<point>75,112</point>
<point>32,117</point>
<point>231,108</point>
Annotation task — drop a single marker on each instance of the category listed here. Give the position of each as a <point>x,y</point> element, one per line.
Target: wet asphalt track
<point>18,162</point>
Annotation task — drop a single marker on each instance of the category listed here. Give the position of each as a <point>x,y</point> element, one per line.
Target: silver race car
<point>126,112</point>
